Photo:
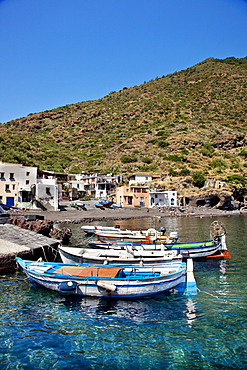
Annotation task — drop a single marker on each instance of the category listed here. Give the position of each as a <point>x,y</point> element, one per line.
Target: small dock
<point>15,241</point>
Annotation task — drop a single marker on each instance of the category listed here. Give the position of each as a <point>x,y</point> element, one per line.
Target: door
<point>10,201</point>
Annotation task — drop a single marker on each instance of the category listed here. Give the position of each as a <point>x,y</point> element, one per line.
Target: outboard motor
<point>174,236</point>
<point>163,230</point>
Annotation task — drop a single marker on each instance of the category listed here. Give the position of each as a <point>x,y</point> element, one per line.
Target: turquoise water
<point>45,330</point>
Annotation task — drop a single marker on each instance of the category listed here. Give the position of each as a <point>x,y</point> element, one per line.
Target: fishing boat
<point>99,205</point>
<point>129,256</point>
<point>215,247</point>
<point>106,203</point>
<point>200,249</point>
<point>113,281</point>
<point>142,235</point>
<point>90,229</point>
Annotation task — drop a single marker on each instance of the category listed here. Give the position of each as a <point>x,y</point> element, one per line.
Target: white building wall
<point>24,175</point>
<point>163,199</point>
<point>139,179</point>
<point>24,178</point>
<point>47,193</point>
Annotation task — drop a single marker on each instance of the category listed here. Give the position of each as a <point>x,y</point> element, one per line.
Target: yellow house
<point>132,196</point>
<point>9,192</point>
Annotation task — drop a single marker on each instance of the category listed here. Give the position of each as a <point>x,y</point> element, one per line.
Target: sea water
<point>40,329</point>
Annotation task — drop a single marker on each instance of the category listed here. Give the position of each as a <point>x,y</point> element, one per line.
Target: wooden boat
<point>128,256</point>
<point>114,281</point>
<point>99,205</point>
<point>199,249</point>
<point>90,229</point>
<point>78,206</point>
<point>106,203</point>
<point>215,247</point>
<point>146,235</point>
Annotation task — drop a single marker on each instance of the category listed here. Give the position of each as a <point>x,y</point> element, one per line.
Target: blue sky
<point>58,52</point>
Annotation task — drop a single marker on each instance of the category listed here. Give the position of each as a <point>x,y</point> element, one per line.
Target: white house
<point>16,183</point>
<point>142,178</point>
<point>95,184</point>
<point>21,187</point>
<point>162,198</point>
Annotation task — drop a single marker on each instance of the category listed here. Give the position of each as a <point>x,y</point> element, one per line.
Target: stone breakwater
<point>27,244</point>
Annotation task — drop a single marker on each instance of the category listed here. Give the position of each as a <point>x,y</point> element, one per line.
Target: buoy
<point>106,286</point>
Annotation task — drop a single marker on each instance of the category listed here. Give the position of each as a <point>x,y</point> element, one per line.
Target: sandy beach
<point>68,214</point>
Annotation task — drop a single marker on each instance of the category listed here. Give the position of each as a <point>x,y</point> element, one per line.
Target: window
<point>11,176</point>
<point>27,173</point>
<point>2,175</point>
<point>1,198</point>
<point>27,182</point>
<point>13,186</point>
<point>48,191</point>
<point>7,188</point>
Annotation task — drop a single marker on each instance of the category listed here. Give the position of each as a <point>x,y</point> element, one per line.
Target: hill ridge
<point>190,121</point>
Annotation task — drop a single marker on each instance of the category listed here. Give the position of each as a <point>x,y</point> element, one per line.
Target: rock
<point>62,234</point>
<point>39,226</point>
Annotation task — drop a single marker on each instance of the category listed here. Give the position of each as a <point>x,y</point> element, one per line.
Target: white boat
<point>102,281</point>
<point>90,229</point>
<point>142,235</point>
<point>129,256</point>
<point>199,249</point>
<point>214,248</point>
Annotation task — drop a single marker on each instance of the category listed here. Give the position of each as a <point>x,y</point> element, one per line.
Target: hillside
<point>189,121</point>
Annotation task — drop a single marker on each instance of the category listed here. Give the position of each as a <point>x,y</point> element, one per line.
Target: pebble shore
<point>68,214</point>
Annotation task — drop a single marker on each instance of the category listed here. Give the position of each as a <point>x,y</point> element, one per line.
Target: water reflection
<point>145,311</point>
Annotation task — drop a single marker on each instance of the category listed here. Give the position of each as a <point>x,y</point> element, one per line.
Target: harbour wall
<point>27,244</point>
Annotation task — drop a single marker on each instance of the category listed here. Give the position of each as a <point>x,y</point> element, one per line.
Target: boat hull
<point>94,256</point>
<point>89,230</point>
<point>193,250</point>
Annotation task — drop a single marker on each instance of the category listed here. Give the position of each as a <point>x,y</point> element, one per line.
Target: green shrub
<point>208,150</point>
<point>147,159</point>
<point>173,158</point>
<point>184,151</point>
<point>148,168</point>
<point>163,144</point>
<point>238,180</point>
<point>243,153</point>
<point>199,179</point>
<point>218,163</point>
<point>172,172</point>
<point>128,159</point>
<point>184,172</point>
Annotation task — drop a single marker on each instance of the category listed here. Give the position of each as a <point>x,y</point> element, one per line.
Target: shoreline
<point>67,214</point>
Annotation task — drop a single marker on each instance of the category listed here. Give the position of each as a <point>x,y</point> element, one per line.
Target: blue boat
<point>109,281</point>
